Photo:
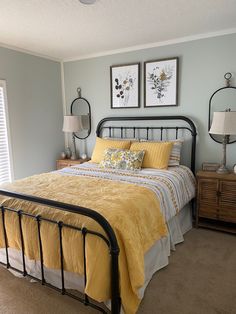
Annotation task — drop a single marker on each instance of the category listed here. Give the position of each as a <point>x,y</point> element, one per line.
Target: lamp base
<point>73,156</point>
<point>222,170</point>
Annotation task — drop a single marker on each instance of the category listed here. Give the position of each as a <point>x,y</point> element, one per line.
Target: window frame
<point>3,84</point>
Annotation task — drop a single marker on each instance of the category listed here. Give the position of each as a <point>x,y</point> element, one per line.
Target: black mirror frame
<point>227,76</point>
<point>89,114</point>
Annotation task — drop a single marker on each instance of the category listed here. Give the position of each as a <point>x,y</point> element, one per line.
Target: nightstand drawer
<point>228,193</point>
<point>208,191</point>
<point>63,163</point>
<point>228,213</point>
<point>208,211</point>
<point>216,201</point>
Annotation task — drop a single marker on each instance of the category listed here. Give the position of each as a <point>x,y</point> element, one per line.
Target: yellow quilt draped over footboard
<point>133,211</point>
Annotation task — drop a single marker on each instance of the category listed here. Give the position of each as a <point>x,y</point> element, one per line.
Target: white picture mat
<point>132,96</point>
<point>170,95</point>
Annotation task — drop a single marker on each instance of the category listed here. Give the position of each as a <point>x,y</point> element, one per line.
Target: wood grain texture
<point>216,198</point>
<point>62,163</point>
<point>214,175</point>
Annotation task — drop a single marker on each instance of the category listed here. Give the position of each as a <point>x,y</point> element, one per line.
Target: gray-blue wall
<point>35,111</point>
<point>203,64</point>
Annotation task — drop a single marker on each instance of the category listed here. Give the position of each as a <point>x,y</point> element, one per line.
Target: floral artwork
<point>125,86</point>
<point>161,83</point>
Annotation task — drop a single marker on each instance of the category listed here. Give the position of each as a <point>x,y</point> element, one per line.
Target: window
<point>5,164</point>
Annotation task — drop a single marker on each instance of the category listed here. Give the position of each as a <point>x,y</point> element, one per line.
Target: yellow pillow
<point>103,144</point>
<point>156,154</point>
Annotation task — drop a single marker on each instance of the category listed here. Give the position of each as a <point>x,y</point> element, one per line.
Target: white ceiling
<point>67,29</point>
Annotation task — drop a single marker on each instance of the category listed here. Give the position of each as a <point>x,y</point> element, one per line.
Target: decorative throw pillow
<point>175,153</point>
<point>122,159</point>
<point>157,154</point>
<point>103,144</point>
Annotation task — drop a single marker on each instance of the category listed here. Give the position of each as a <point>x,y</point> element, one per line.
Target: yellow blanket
<point>133,211</point>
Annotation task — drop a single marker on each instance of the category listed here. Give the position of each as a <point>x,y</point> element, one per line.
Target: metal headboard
<point>189,126</point>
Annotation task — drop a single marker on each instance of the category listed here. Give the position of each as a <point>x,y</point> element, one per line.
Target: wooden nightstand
<point>216,201</point>
<point>62,163</point>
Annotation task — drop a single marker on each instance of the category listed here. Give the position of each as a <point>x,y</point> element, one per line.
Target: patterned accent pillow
<point>122,159</point>
<point>175,154</point>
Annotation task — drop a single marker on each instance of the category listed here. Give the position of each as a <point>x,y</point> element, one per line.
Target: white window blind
<point>5,166</point>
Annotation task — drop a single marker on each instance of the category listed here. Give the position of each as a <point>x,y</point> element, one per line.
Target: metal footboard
<point>110,240</point>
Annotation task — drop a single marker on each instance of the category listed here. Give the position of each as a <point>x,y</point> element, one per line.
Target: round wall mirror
<point>81,107</point>
<point>222,99</point>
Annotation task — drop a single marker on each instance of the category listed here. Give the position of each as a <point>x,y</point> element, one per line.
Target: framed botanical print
<point>125,86</point>
<point>161,83</point>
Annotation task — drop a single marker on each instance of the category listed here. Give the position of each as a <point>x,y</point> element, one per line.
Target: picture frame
<point>210,166</point>
<point>125,86</point>
<point>161,82</point>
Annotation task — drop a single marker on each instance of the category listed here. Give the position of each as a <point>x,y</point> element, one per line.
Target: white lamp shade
<point>72,124</point>
<point>224,123</point>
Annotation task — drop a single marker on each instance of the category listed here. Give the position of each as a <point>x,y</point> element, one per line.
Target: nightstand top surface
<point>215,175</point>
<point>74,160</point>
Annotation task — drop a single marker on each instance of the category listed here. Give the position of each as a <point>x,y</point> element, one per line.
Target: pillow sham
<point>175,153</point>
<point>157,154</point>
<point>102,144</point>
<point>122,159</point>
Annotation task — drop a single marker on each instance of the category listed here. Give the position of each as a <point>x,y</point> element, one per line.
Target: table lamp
<point>72,124</point>
<point>224,123</point>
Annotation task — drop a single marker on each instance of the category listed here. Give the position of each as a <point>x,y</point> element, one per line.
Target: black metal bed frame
<point>191,128</point>
<point>110,238</point>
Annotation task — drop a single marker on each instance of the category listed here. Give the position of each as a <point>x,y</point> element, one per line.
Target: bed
<point>117,251</point>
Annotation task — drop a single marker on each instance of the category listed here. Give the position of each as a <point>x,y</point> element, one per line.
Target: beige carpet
<point>200,279</point>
